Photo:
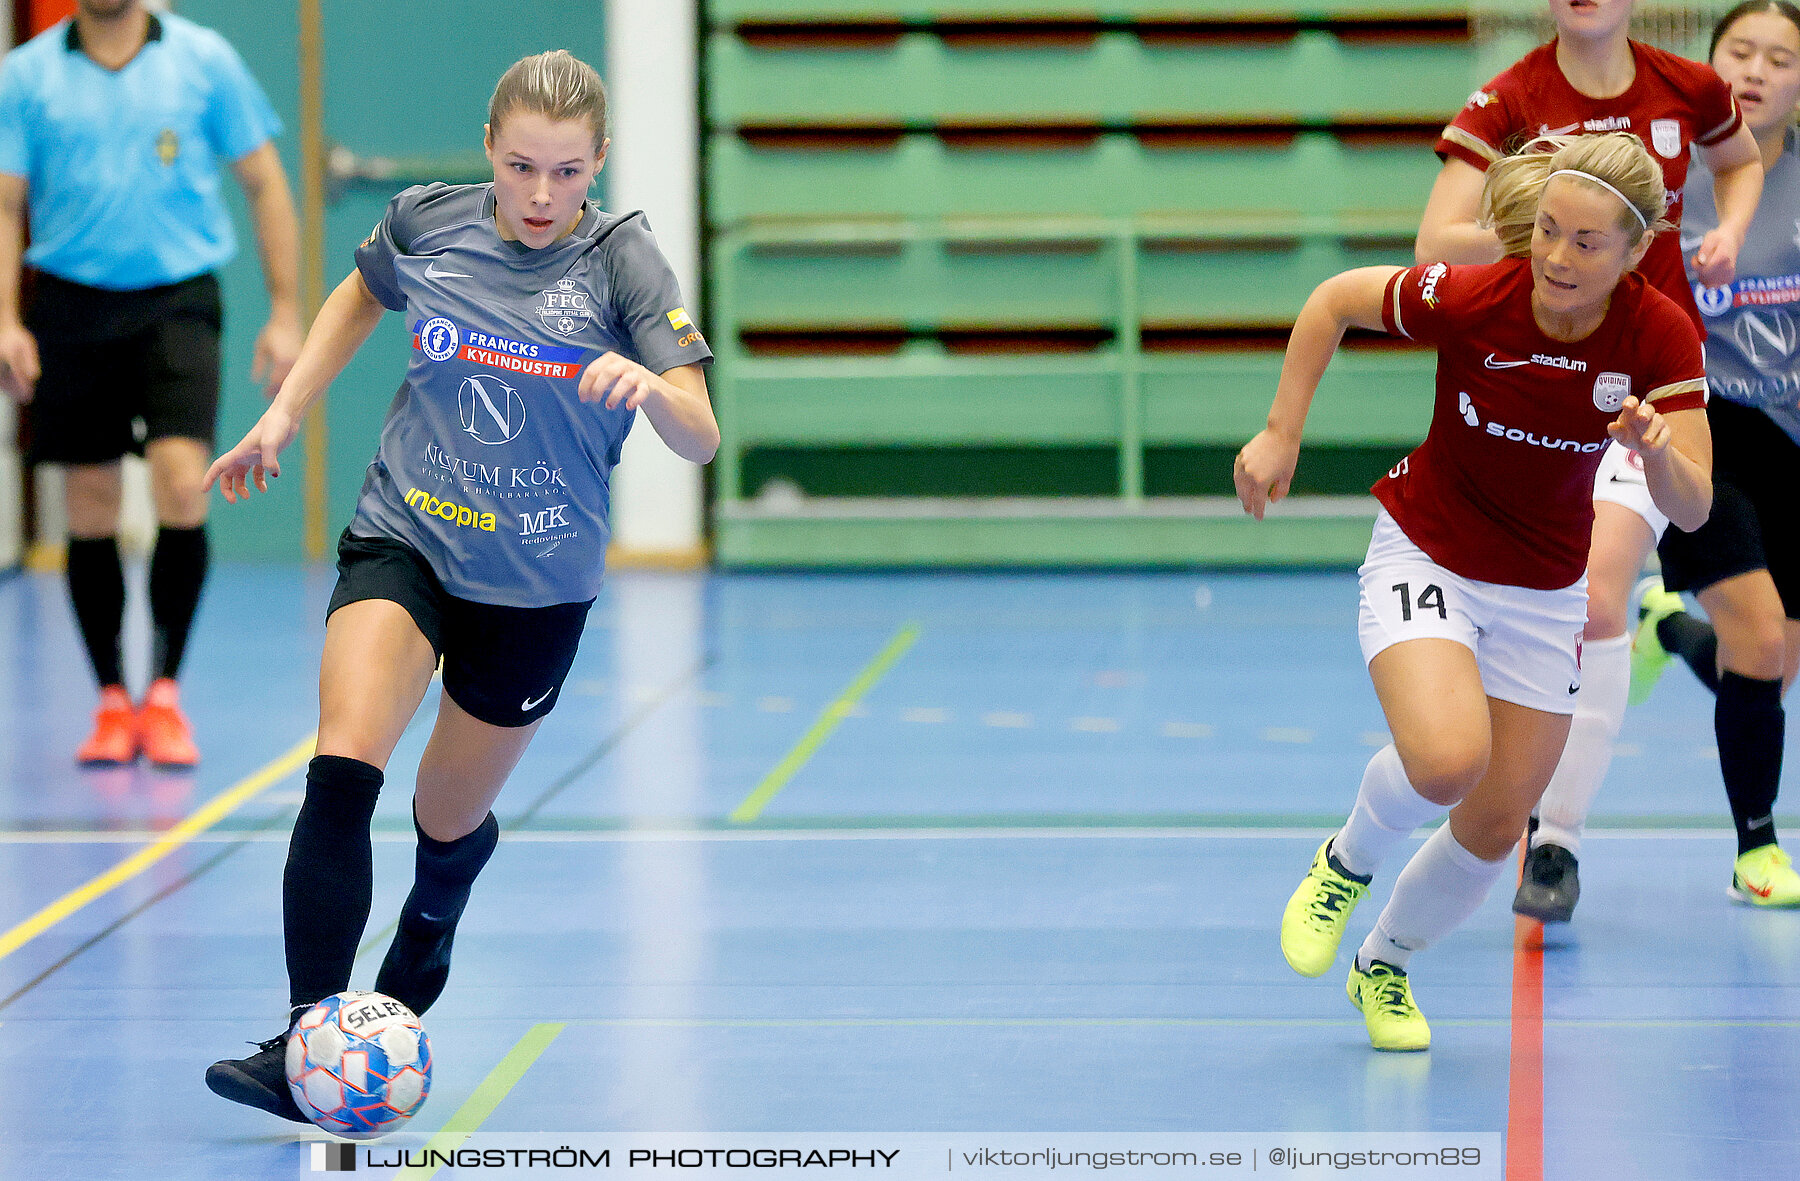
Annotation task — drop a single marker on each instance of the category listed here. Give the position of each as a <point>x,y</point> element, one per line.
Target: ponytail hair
<point>1616,159</point>
<point>557,85</point>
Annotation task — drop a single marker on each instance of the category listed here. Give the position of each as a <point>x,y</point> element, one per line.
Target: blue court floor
<point>982,853</point>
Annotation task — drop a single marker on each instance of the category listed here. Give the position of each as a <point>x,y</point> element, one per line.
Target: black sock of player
<point>418,962</point>
<point>96,581</point>
<point>177,572</point>
<point>1751,729</point>
<point>330,877</point>
<point>1695,641</point>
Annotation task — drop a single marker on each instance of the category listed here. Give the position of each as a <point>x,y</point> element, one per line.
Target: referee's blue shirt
<point>122,166</point>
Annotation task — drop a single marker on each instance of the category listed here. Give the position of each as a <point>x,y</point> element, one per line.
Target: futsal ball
<point>359,1064</point>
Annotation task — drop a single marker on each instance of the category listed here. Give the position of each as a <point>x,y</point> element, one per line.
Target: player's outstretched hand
<point>1715,263</point>
<point>617,381</point>
<point>1640,427</point>
<point>1264,470</point>
<point>257,457</point>
<point>18,362</point>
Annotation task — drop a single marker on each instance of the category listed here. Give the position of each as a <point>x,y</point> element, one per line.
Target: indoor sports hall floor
<point>904,853</point>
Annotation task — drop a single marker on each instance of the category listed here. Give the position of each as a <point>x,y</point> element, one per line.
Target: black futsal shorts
<point>1752,526</point>
<point>122,368</point>
<point>503,665</point>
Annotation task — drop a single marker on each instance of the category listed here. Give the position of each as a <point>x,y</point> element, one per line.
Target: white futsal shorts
<point>1621,480</point>
<point>1527,643</point>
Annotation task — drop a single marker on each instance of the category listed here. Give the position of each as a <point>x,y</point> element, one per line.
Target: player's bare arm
<point>1737,186</point>
<point>675,402</point>
<point>278,245</point>
<point>1448,229</point>
<point>18,348</point>
<point>1264,469</point>
<point>345,321</point>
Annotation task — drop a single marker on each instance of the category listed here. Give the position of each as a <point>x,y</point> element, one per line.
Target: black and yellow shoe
<point>1313,924</point>
<point>1385,998</point>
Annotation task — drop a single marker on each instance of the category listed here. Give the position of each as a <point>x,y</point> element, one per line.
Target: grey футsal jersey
<point>1753,322</point>
<point>489,465</point>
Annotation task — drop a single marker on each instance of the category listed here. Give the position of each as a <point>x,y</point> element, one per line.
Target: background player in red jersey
<point>1743,565</point>
<point>1592,78</point>
<point>1473,595</point>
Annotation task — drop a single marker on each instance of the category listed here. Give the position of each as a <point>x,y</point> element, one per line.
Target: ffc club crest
<point>565,308</point>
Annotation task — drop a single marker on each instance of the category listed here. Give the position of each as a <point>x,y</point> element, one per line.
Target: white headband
<point>1635,211</point>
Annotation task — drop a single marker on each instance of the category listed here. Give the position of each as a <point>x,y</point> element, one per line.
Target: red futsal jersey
<point>1502,488</point>
<point>1672,102</point>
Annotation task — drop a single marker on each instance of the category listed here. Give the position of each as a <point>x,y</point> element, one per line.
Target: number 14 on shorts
<point>1431,598</point>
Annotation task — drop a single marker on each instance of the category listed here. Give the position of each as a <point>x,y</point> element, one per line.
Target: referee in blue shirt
<point>112,125</point>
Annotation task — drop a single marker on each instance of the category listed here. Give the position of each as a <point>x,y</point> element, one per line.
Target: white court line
<point>707,835</point>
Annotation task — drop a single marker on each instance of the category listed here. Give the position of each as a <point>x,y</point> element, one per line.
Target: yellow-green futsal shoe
<point>1385,998</point>
<point>1648,657</point>
<point>1766,877</point>
<point>1313,924</point>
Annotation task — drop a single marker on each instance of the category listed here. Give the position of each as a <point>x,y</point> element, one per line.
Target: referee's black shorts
<point>503,665</point>
<point>1753,522</point>
<point>122,368</point>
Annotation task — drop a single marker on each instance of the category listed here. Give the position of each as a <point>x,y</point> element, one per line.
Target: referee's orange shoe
<point>114,741</point>
<point>163,728</point>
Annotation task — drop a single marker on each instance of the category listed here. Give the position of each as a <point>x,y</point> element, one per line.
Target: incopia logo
<point>333,1157</point>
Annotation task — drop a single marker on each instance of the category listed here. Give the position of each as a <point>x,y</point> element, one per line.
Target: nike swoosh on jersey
<point>532,703</point>
<point>432,272</point>
<point>1491,363</point>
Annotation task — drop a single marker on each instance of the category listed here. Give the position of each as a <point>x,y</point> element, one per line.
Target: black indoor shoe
<point>258,1081</point>
<point>1550,887</point>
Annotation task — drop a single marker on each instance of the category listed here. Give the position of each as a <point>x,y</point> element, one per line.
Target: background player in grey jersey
<point>1744,563</point>
<point>540,325</point>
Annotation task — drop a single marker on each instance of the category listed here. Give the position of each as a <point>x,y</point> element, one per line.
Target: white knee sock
<point>1387,811</point>
<point>1441,886</point>
<point>1599,712</point>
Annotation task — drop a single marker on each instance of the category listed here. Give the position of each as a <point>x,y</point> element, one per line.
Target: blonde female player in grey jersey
<point>554,323</point>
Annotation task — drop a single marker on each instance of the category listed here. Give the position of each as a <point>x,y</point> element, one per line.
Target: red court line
<point>1525,1077</point>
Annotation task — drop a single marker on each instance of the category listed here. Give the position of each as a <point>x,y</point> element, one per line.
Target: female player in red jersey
<point>1473,595</point>
<point>1591,78</point>
<point>1744,565</point>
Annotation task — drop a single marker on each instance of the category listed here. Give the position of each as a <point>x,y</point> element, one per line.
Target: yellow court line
<point>821,729</point>
<point>215,810</point>
<point>482,1101</point>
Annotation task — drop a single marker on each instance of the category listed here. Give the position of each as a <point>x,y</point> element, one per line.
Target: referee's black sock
<point>96,581</point>
<point>177,572</point>
<point>418,961</point>
<point>1751,728</point>
<point>330,877</point>
<point>1695,641</point>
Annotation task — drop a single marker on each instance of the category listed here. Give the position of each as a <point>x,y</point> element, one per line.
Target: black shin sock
<point>96,581</point>
<point>418,961</point>
<point>1751,728</point>
<point>330,877</point>
<point>177,572</point>
<point>1695,641</point>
